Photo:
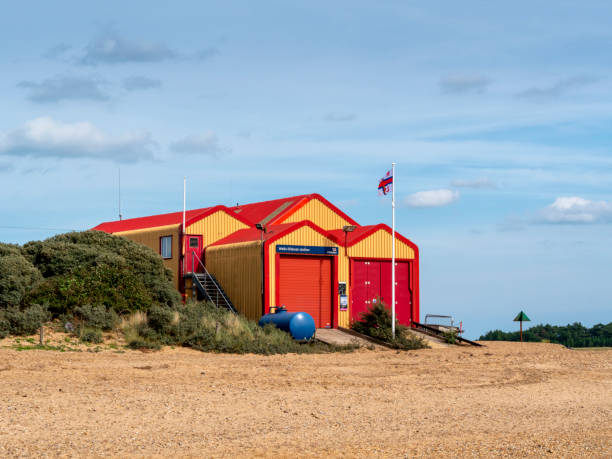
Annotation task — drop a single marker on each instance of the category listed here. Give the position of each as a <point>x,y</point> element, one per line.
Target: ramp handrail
<point>437,332</point>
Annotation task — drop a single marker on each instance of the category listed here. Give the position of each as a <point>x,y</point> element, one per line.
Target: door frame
<point>186,240</point>
<point>334,281</point>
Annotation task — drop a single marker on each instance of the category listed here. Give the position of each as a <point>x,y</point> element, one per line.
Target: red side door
<point>371,280</point>
<point>403,309</point>
<point>193,253</point>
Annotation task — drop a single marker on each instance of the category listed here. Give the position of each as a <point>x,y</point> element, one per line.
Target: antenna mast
<point>120,216</point>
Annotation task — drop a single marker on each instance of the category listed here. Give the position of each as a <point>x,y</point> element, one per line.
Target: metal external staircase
<point>209,289</point>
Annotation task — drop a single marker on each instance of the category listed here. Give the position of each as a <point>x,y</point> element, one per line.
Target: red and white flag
<point>386,184</point>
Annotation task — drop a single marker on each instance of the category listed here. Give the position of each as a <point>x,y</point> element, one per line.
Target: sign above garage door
<point>306,250</point>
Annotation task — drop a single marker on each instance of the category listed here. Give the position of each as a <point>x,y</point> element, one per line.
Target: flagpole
<point>393,252</point>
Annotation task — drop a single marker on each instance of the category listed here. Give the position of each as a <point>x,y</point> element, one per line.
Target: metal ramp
<point>432,331</point>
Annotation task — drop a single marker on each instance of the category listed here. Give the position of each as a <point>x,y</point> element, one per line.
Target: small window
<point>166,246</point>
<point>194,243</point>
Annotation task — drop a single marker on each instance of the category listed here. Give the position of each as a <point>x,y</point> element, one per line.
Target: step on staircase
<point>209,289</point>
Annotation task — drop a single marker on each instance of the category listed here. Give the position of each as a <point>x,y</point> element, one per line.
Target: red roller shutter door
<point>305,284</point>
<point>372,279</point>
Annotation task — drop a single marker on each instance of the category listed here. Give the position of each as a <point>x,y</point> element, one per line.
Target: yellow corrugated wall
<point>150,238</point>
<point>307,236</point>
<point>378,245</point>
<point>319,214</point>
<point>237,267</point>
<point>215,227</point>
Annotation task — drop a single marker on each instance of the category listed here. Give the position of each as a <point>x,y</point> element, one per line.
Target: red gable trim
<point>293,209</point>
<point>338,236</point>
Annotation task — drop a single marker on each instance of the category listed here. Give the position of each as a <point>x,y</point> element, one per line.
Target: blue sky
<point>498,116</point>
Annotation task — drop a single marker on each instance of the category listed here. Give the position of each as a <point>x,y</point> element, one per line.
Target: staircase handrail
<point>219,289</point>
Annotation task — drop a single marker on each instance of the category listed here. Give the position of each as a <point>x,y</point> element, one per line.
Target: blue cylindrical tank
<point>300,325</point>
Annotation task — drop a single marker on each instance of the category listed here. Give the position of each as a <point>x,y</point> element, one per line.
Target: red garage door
<point>372,279</point>
<point>305,284</point>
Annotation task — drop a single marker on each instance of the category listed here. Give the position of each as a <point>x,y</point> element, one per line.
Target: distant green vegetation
<point>574,335</point>
<point>376,323</point>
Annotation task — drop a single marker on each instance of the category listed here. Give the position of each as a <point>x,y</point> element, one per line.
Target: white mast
<point>182,239</point>
<point>393,252</point>
<point>120,216</point>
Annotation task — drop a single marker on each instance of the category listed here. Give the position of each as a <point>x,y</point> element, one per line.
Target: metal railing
<point>218,289</point>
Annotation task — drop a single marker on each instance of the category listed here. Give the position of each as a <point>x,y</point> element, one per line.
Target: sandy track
<point>503,400</point>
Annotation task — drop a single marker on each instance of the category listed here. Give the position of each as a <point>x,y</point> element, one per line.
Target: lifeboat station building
<point>300,252</point>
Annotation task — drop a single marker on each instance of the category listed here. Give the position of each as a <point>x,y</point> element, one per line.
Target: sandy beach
<point>505,399</point>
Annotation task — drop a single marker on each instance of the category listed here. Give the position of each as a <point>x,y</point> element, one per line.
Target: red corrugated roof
<point>152,221</point>
<point>355,235</point>
<point>267,211</point>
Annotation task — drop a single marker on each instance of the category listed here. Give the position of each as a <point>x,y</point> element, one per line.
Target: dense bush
<point>98,317</point>
<point>17,276</point>
<point>91,335</point>
<point>207,328</point>
<point>376,322</point>
<point>93,267</point>
<point>23,322</point>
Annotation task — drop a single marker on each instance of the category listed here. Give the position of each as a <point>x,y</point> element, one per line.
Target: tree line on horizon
<point>571,335</point>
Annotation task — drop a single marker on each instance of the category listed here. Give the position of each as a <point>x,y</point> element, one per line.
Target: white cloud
<point>66,88</point>
<point>46,137</point>
<point>431,198</point>
<point>477,183</point>
<point>109,47</point>
<point>560,88</point>
<point>138,82</point>
<point>576,210</point>
<point>459,84</point>
<point>340,117</point>
<point>206,144</point>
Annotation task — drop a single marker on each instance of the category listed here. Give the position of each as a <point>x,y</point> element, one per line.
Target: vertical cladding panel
<point>214,227</point>
<point>302,236</point>
<point>378,245</point>
<point>237,267</point>
<point>319,214</point>
<point>150,238</point>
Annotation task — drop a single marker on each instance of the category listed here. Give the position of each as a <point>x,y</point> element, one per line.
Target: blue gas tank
<point>300,325</point>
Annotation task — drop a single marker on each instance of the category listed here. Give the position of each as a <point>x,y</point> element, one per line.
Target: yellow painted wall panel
<point>237,267</point>
<point>319,214</point>
<point>378,245</point>
<point>150,238</point>
<point>215,227</point>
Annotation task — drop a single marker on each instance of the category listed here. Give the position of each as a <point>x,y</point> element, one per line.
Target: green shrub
<point>26,321</point>
<point>141,343</point>
<point>5,325</point>
<point>207,328</point>
<point>91,335</point>
<point>17,276</point>
<point>450,336</point>
<point>97,316</point>
<point>376,322</point>
<point>93,267</point>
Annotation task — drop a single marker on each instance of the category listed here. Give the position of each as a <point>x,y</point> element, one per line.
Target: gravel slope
<point>506,399</point>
